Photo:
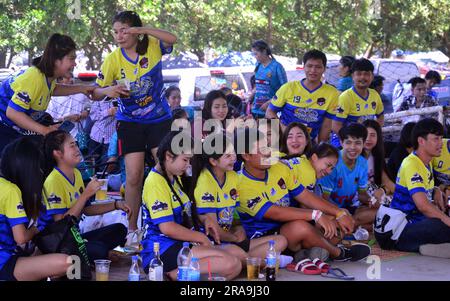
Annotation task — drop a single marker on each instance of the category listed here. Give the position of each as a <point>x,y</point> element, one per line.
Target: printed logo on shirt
<point>274,97</point>
<point>24,97</point>
<point>310,187</point>
<point>53,199</point>
<point>225,196</point>
<point>339,110</point>
<point>340,181</point>
<point>321,101</point>
<point>207,198</point>
<point>416,178</point>
<point>306,114</point>
<point>77,195</point>
<point>297,99</point>
<point>374,105</point>
<point>269,74</point>
<point>159,206</point>
<point>273,192</point>
<point>100,76</point>
<point>282,183</point>
<point>234,194</point>
<point>253,202</point>
<point>143,63</point>
<point>20,208</point>
<point>284,202</point>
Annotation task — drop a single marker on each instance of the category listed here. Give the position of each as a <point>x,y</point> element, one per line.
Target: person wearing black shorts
<point>143,116</point>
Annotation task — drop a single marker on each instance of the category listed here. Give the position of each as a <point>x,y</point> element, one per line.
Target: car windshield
<point>204,84</point>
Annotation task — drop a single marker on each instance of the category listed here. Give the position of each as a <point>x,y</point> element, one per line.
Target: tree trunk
<point>200,54</point>
<point>12,54</point>
<point>3,52</point>
<point>270,25</point>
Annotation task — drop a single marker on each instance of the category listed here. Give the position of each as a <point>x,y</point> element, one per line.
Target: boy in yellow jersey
<point>359,102</point>
<point>308,101</point>
<point>268,195</point>
<point>413,195</point>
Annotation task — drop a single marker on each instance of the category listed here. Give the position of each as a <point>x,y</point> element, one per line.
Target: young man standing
<point>346,186</point>
<point>427,223</point>
<point>358,103</point>
<point>308,101</point>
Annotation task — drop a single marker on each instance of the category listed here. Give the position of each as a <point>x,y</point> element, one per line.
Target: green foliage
<point>290,26</point>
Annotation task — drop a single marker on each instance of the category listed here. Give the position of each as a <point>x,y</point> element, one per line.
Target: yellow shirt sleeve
<point>280,98</point>
<point>108,72</point>
<point>204,194</point>
<point>343,107</point>
<point>414,179</point>
<point>159,203</point>
<point>26,91</point>
<point>14,210</point>
<point>57,200</point>
<point>331,110</point>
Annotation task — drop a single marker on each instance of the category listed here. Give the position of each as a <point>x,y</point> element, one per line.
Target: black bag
<point>64,237</point>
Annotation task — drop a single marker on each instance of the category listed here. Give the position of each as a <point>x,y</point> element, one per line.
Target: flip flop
<point>337,273</point>
<point>324,267</point>
<point>306,266</point>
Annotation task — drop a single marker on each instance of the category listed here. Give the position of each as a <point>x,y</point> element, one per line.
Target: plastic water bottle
<point>184,261</point>
<point>271,262</point>
<point>361,234</point>
<point>135,273</point>
<point>194,270</point>
<point>155,270</point>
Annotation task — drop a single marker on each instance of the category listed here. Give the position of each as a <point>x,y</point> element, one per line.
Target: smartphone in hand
<point>66,126</point>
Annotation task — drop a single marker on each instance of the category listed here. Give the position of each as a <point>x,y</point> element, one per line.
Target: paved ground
<point>407,268</point>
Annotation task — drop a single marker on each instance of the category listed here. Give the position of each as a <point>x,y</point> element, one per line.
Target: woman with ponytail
<point>214,189</point>
<point>143,116</point>
<point>28,93</point>
<point>170,218</point>
<point>269,77</point>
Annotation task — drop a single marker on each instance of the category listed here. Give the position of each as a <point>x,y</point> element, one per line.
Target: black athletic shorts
<point>136,137</point>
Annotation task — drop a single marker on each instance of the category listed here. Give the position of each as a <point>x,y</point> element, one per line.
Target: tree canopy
<point>291,27</point>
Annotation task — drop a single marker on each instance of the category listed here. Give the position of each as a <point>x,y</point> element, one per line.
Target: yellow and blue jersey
<point>256,196</point>
<point>60,194</point>
<point>304,172</point>
<point>413,177</point>
<point>343,183</point>
<point>441,164</point>
<point>222,200</point>
<point>12,213</point>
<point>146,103</point>
<point>299,104</point>
<point>29,91</point>
<point>160,206</point>
<point>352,107</point>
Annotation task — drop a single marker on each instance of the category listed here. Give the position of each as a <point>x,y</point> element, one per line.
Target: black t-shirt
<point>395,160</point>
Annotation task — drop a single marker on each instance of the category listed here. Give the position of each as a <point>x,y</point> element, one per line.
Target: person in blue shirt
<point>269,77</point>
<point>432,78</point>
<point>346,186</point>
<point>415,194</point>
<point>345,65</point>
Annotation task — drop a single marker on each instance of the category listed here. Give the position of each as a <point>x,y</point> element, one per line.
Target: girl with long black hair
<point>171,218</point>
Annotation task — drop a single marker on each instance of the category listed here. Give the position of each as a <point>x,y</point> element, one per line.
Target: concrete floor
<point>408,268</point>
